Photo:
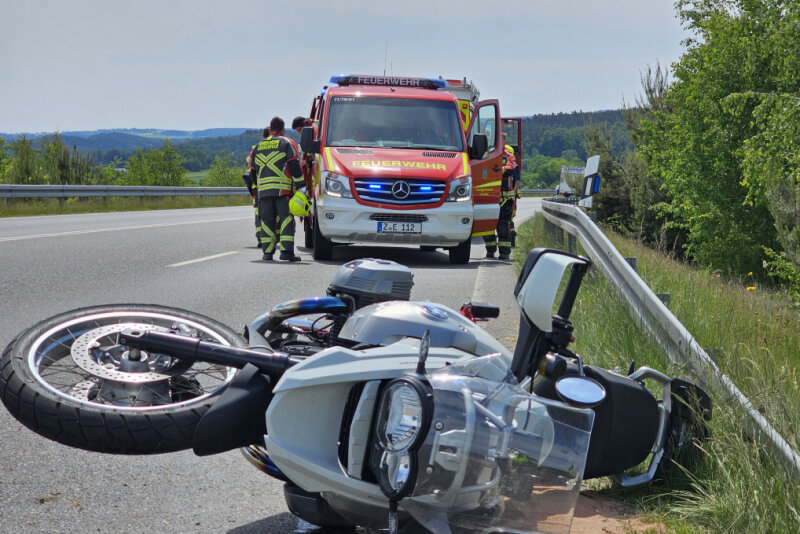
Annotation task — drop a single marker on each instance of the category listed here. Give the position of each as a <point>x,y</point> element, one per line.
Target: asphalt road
<point>204,260</point>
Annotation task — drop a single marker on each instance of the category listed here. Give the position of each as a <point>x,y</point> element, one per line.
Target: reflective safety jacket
<point>268,160</point>
<point>509,165</point>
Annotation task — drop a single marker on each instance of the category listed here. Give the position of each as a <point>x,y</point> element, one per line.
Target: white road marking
<point>118,229</point>
<point>479,292</point>
<point>202,259</point>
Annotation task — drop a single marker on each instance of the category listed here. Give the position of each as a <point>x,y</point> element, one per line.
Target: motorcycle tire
<point>68,380</point>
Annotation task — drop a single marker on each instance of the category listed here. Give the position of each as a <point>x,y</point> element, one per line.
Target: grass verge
<point>54,206</point>
<point>736,483</point>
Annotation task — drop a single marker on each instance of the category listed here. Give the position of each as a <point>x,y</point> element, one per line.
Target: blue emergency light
<point>374,186</point>
<point>388,81</point>
<point>426,188</point>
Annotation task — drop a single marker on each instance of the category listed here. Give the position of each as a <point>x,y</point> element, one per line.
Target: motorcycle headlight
<point>336,185</point>
<point>402,414</point>
<point>460,190</point>
<point>397,470</point>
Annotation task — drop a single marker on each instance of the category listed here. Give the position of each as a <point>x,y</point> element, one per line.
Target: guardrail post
<point>632,263</point>
<point>555,233</point>
<point>572,245</point>
<point>663,297</point>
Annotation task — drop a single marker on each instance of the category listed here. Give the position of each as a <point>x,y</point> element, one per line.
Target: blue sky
<point>190,65</point>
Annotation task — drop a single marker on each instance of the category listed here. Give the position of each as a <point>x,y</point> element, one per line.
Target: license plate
<point>399,228</point>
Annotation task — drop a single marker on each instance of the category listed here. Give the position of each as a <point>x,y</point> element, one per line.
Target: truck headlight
<point>460,190</point>
<point>336,185</point>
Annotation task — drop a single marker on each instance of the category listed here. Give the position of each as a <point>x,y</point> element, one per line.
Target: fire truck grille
<point>447,155</point>
<point>398,217</point>
<point>354,151</point>
<point>405,191</point>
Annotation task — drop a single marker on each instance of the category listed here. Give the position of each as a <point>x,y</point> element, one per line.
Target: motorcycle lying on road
<point>376,411</point>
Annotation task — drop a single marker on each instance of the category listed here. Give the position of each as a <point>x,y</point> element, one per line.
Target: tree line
<point>49,161</point>
<point>715,173</point>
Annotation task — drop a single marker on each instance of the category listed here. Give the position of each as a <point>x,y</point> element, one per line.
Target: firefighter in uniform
<point>516,184</point>
<point>502,237</point>
<point>252,187</point>
<point>268,160</point>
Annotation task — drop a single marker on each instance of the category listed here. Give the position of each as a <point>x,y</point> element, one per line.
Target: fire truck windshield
<point>394,123</point>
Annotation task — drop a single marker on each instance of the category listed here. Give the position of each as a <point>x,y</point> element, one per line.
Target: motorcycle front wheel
<point>70,380</point>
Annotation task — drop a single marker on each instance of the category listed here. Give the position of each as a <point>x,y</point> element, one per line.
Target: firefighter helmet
<point>299,205</point>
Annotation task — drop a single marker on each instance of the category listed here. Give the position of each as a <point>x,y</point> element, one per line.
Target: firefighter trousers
<point>277,224</point>
<point>501,238</point>
<point>259,232</point>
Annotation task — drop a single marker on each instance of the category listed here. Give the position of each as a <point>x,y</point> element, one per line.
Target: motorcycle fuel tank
<point>388,322</point>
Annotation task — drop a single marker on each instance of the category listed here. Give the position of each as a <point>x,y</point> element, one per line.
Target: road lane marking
<point>480,293</point>
<point>215,256</point>
<point>120,229</point>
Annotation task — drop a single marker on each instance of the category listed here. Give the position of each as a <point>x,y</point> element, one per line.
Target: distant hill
<point>555,135</point>
<point>108,141</point>
<point>561,134</point>
<point>128,138</point>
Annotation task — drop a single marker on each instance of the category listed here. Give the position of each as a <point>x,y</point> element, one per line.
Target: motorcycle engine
<point>368,281</point>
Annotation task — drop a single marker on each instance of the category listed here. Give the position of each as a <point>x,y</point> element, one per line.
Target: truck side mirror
<point>480,144</point>
<point>307,142</point>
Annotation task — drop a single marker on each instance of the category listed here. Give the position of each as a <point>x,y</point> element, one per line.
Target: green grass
<point>197,177</point>
<point>737,483</point>
<point>53,206</point>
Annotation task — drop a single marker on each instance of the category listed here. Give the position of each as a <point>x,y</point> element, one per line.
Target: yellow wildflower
<point>751,288</point>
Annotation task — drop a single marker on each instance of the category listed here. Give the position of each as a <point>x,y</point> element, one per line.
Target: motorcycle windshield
<point>497,459</point>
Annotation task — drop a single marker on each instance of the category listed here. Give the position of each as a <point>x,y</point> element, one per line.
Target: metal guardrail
<point>70,191</point>
<point>538,191</point>
<point>654,317</point>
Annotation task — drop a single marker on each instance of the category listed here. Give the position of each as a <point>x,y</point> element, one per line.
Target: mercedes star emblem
<point>401,190</point>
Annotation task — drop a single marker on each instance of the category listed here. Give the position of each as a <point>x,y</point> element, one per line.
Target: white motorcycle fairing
<point>306,418</point>
<point>320,423</point>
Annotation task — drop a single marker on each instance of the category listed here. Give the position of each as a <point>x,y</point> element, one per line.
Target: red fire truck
<point>402,160</point>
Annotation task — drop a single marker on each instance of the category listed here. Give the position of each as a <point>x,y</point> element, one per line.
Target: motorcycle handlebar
<point>273,364</point>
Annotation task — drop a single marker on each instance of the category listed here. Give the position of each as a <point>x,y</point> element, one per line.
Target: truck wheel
<point>459,254</point>
<point>308,233</point>
<point>323,248</point>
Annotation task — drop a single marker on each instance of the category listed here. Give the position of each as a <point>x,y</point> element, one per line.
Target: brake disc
<point>103,361</point>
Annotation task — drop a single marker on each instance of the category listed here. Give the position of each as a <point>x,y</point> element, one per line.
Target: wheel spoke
<point>72,374</point>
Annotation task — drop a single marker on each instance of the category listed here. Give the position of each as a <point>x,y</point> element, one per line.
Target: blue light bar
<point>388,81</point>
<point>425,188</point>
<point>374,186</point>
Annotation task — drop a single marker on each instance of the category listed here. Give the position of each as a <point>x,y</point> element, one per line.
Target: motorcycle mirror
<point>580,391</point>
<point>538,284</point>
